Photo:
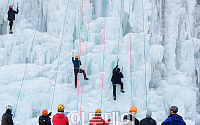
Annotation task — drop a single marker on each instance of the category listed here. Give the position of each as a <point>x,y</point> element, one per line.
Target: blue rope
<point>144,53</point>
<point>27,62</point>
<point>192,35</point>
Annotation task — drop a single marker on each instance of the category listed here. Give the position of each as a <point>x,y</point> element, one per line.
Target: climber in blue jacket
<point>77,69</point>
<point>174,118</point>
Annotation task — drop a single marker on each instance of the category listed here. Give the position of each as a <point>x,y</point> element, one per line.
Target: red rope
<point>103,54</point>
<point>130,53</point>
<point>85,55</point>
<point>80,56</point>
<point>119,29</point>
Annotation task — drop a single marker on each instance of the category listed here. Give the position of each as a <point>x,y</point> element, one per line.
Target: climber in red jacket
<point>97,120</point>
<point>60,118</point>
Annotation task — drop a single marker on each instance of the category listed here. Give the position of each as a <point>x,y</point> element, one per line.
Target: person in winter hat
<point>116,79</point>
<point>174,118</point>
<point>77,69</point>
<point>130,118</point>
<point>44,119</point>
<point>11,17</point>
<point>7,116</point>
<point>148,120</point>
<point>60,118</point>
<point>97,119</point>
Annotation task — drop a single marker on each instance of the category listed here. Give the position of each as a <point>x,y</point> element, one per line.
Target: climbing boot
<point>86,78</point>
<point>75,86</point>
<point>114,98</point>
<point>10,32</point>
<point>122,91</point>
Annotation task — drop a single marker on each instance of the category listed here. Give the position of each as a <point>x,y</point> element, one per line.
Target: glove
<point>108,120</point>
<point>49,113</point>
<point>17,8</point>
<point>72,54</point>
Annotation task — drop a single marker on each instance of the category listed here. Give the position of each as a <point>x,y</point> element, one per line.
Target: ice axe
<point>17,5</point>
<point>117,61</point>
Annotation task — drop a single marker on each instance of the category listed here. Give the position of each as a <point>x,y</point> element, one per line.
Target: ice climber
<point>60,118</point>
<point>77,69</point>
<point>97,120</point>
<point>45,119</point>
<point>116,79</point>
<point>174,118</point>
<point>11,17</point>
<point>148,120</point>
<point>130,118</point>
<point>7,116</point>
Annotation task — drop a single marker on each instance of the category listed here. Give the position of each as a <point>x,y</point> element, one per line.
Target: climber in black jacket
<point>7,116</point>
<point>148,120</point>
<point>116,79</point>
<point>45,119</point>
<point>11,17</point>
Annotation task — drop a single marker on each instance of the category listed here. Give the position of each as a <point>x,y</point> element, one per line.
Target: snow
<point>172,73</point>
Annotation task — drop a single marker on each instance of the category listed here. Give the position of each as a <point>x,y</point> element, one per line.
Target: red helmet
<point>10,7</point>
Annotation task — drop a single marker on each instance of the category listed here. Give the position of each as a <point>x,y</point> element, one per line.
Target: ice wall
<point>172,71</point>
<point>196,70</point>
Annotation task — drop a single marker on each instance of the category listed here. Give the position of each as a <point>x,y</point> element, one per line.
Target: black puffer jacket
<point>44,120</point>
<point>11,14</point>
<point>7,118</point>
<point>117,75</point>
<point>148,121</point>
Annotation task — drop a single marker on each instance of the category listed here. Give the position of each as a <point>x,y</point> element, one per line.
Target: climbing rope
<point>59,55</point>
<point>85,55</point>
<point>130,53</point>
<point>80,57</point>
<point>192,35</point>
<point>119,31</point>
<point>144,53</point>
<point>103,55</point>
<point>27,62</point>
